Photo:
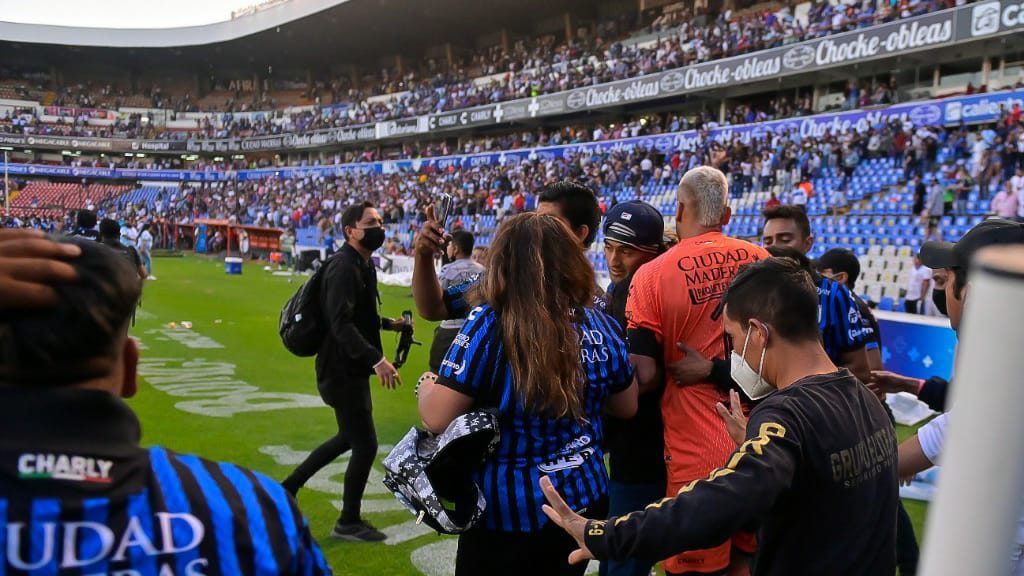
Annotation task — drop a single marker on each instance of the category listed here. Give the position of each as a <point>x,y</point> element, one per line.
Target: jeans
<point>625,498</point>
<point>353,411</point>
<point>147,262</point>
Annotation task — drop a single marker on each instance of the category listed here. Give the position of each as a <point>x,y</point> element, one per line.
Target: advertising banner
<point>988,18</point>
<point>928,31</point>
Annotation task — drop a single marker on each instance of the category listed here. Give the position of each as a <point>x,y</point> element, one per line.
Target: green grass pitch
<point>195,381</point>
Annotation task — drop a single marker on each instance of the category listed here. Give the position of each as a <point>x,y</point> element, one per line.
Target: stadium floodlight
<point>973,520</point>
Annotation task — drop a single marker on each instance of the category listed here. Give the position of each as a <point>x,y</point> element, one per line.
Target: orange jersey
<point>677,297</point>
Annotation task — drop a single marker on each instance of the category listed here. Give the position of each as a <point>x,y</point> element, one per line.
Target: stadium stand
<point>606,51</point>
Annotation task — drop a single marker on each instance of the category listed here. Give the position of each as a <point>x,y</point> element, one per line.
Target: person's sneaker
<point>360,531</point>
<point>151,277</point>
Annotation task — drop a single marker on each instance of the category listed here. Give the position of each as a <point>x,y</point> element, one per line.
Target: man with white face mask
<point>817,465</point>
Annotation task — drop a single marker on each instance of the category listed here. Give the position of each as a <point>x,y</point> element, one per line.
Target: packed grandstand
<point>856,109</point>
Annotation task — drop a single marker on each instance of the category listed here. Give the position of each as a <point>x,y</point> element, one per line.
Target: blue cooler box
<point>233,265</point>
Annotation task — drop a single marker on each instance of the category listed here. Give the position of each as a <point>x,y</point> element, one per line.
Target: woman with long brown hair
<point>550,365</point>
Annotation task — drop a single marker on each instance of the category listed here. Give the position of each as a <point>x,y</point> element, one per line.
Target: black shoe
<point>360,531</point>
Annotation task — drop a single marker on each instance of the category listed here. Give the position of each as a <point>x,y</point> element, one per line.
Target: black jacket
<point>636,447</point>
<point>818,470</point>
<point>349,300</point>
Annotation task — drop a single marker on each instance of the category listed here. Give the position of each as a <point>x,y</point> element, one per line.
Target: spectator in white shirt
<point>798,197</point>
<point>129,235</point>
<point>1017,187</point>
<point>918,286</point>
<point>145,246</point>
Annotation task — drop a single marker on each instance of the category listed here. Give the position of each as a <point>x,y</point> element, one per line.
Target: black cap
<point>85,219</point>
<point>110,228</point>
<point>636,224</point>
<point>991,232</point>
<point>839,260</point>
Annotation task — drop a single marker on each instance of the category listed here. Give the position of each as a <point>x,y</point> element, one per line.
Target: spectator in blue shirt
<point>550,365</point>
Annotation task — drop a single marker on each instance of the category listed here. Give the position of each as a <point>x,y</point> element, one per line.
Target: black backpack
<point>302,324</point>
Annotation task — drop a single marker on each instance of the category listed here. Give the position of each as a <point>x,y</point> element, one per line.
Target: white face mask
<point>753,385</point>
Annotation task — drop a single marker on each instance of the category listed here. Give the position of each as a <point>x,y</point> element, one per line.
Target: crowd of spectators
<point>528,67</point>
<point>785,163</point>
<point>780,162</point>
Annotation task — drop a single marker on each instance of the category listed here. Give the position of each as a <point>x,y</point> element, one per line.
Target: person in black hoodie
<point>817,463</point>
<point>632,237</point>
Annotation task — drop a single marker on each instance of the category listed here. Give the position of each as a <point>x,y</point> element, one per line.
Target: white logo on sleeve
<point>64,467</point>
<point>457,369</point>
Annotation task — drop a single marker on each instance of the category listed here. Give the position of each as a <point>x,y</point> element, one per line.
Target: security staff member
<point>77,492</point>
<point>817,465</point>
<point>842,266</point>
<point>351,352</point>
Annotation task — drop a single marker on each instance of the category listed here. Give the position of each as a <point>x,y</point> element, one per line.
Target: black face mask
<point>372,239</point>
<point>939,299</point>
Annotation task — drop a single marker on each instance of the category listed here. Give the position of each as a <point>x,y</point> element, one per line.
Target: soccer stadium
<point>240,161</point>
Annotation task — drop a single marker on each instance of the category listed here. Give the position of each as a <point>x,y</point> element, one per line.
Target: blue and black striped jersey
<point>532,445</point>
<point>78,495</point>
<point>842,328</point>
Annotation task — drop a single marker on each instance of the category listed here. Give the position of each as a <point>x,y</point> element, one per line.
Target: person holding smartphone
<point>535,351</point>
<point>460,268</point>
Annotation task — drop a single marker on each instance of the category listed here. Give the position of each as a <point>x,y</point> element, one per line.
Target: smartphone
<point>444,209</point>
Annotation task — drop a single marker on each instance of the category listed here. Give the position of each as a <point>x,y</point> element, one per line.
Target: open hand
<point>735,421</point>
<point>560,513</point>
<point>885,382</point>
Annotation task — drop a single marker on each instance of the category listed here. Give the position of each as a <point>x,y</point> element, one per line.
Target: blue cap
<point>636,224</point>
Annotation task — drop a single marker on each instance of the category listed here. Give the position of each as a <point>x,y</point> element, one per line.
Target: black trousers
<point>907,552</point>
<point>911,306</point>
<point>545,552</point>
<point>353,410</point>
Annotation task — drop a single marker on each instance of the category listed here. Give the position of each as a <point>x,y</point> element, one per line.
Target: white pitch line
<point>437,559</point>
<point>405,531</point>
<point>376,505</point>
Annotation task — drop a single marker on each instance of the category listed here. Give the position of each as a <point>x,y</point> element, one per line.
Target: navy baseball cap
<point>991,232</point>
<point>636,224</point>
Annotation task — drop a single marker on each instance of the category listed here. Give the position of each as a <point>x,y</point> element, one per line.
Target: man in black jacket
<point>842,265</point>
<point>817,465</point>
<point>348,356</point>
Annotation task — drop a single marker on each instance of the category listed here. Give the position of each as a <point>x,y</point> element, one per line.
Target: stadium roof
<point>301,32</point>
